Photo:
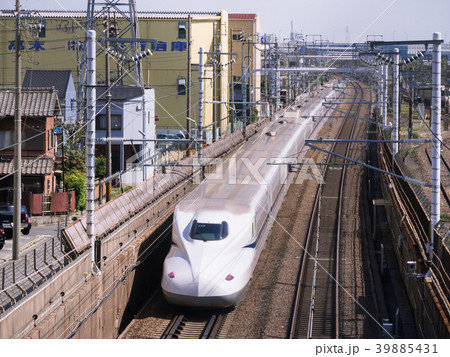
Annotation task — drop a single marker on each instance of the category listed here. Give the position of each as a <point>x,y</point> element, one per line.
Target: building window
<point>33,184</point>
<point>181,86</point>
<point>33,140</point>
<point>51,137</point>
<point>116,122</point>
<point>182,30</point>
<point>41,29</point>
<point>6,138</point>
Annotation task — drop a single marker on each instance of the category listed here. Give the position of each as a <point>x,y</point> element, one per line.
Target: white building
<point>132,118</point>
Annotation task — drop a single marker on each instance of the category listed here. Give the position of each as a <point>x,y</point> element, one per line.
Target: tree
<point>77,181</point>
<point>74,161</point>
<point>100,167</point>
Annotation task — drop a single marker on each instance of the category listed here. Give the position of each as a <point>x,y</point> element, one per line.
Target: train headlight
<point>171,275</point>
<point>229,277</point>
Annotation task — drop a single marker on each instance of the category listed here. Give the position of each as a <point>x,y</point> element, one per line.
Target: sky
<point>335,20</point>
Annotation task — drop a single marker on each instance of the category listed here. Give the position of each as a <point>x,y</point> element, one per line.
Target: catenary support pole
<point>380,90</point>
<point>200,102</point>
<point>244,100</point>
<point>385,93</point>
<point>18,143</point>
<point>108,111</point>
<point>436,139</point>
<point>395,97</point>
<point>90,144</point>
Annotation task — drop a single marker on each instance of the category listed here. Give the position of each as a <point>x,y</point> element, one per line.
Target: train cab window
<point>208,231</point>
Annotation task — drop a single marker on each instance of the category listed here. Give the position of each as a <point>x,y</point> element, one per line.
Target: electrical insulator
<point>142,55</point>
<point>112,30</point>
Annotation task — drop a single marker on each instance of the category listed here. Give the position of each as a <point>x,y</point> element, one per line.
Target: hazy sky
<point>335,20</point>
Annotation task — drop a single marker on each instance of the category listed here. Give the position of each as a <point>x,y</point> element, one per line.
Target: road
<point>36,234</point>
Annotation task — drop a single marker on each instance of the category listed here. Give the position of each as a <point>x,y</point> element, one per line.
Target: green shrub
<point>100,167</point>
<point>77,181</point>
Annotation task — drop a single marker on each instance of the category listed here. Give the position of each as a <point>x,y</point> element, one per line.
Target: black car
<point>7,214</point>
<point>2,234</point>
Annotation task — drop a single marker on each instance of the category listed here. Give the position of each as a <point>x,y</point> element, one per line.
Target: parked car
<point>7,215</point>
<point>2,233</point>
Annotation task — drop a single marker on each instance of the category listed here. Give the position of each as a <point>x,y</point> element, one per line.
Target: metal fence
<point>33,268</point>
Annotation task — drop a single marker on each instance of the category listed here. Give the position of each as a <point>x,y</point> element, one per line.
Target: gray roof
<point>36,102</point>
<point>43,166</point>
<point>119,93</point>
<point>58,79</point>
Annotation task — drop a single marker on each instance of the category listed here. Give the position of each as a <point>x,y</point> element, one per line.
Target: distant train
<point>219,229</point>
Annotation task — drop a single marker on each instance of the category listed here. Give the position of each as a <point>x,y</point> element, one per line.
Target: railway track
<point>316,308</point>
<point>194,326</point>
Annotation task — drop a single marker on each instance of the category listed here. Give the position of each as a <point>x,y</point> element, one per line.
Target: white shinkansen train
<point>220,228</point>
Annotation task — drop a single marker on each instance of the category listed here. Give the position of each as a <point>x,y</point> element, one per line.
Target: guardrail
<point>20,278</point>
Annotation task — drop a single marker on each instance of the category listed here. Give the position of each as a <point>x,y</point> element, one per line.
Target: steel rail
<point>302,275</point>
<point>194,326</point>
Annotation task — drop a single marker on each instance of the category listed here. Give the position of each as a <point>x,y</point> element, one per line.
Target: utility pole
<point>244,99</point>
<point>18,142</point>
<point>108,108</point>
<point>188,79</point>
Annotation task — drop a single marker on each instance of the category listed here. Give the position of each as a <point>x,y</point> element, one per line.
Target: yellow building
<point>55,40</point>
<point>182,35</point>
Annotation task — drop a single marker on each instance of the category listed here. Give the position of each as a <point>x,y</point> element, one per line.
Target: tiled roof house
<point>39,107</point>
